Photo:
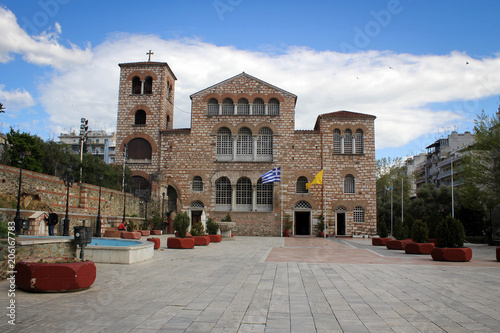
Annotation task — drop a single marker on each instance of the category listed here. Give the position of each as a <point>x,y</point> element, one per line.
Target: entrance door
<point>302,223</point>
<point>341,224</point>
<point>195,216</point>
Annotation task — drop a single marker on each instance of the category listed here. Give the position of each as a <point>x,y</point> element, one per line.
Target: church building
<point>242,128</point>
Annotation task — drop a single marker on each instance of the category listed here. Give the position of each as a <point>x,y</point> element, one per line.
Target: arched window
<point>139,149</point>
<point>337,141</point>
<point>300,186</point>
<point>244,143</point>
<point>302,205</point>
<point>243,107</point>
<point>244,194</point>
<point>258,107</point>
<point>349,184</point>
<point>265,142</point>
<point>148,85</point>
<point>197,184</point>
<point>136,85</point>
<point>212,107</point>
<point>168,122</point>
<point>227,107</point>
<point>139,184</point>
<point>140,117</point>
<point>359,141</point>
<point>223,193</point>
<point>359,215</point>
<point>264,196</point>
<point>273,107</point>
<point>348,141</point>
<point>224,141</point>
<point>197,205</point>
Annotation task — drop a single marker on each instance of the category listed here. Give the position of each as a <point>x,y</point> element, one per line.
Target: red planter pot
<point>215,238</point>
<point>156,241</point>
<point>130,235</point>
<point>180,243</point>
<point>54,277</point>
<point>156,232</point>
<point>498,253</point>
<point>451,254</point>
<point>144,232</point>
<point>419,248</point>
<point>379,241</point>
<point>433,240</point>
<point>394,244</point>
<point>201,240</point>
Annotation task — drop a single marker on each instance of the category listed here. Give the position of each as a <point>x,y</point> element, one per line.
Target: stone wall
<point>51,192</point>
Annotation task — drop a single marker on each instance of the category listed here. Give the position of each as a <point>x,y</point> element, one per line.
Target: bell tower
<point>145,108</point>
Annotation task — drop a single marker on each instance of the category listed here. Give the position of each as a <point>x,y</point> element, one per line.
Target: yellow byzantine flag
<point>318,179</point>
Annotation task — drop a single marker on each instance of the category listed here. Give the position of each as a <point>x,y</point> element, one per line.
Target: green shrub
<point>400,231</point>
<point>4,231</point>
<point>157,222</point>
<point>409,221</point>
<point>321,223</point>
<point>212,226</point>
<point>131,226</point>
<point>382,228</point>
<point>419,232</point>
<point>450,233</point>
<point>197,229</point>
<point>227,218</point>
<point>181,223</point>
<point>432,222</point>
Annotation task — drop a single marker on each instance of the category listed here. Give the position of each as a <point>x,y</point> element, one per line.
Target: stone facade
<point>240,129</point>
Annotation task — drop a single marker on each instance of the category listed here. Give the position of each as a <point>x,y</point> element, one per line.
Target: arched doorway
<point>196,208</point>
<point>340,224</point>
<point>302,218</point>
<point>172,200</point>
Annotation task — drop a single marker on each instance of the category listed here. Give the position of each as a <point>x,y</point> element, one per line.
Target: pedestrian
<point>122,226</point>
<point>52,219</point>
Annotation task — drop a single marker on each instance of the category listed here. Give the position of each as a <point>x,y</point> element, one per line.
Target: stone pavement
<point>266,284</point>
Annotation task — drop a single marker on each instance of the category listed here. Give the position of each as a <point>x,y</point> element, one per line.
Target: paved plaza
<point>266,284</point>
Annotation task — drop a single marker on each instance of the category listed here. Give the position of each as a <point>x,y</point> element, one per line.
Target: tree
<point>2,109</point>
<point>481,165</point>
<point>25,142</point>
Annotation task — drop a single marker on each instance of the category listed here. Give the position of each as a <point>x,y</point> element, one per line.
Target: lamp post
<point>124,200</point>
<point>147,197</point>
<point>98,221</point>
<point>18,220</point>
<point>162,203</point>
<point>68,182</point>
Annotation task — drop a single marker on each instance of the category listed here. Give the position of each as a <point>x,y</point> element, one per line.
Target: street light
<point>98,221</point>
<point>147,197</point>
<point>68,182</point>
<point>18,220</point>
<point>124,200</point>
<point>162,203</point>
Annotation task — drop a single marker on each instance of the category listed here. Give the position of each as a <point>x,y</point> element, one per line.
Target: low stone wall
<point>51,192</point>
<point>30,248</point>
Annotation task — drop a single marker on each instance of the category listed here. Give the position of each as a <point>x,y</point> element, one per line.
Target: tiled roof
<point>347,114</point>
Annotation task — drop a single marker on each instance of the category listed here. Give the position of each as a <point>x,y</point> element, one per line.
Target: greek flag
<point>272,176</point>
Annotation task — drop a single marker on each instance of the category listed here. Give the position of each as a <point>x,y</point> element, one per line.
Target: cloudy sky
<point>424,68</point>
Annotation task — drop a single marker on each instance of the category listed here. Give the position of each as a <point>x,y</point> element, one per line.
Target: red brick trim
<point>142,75</point>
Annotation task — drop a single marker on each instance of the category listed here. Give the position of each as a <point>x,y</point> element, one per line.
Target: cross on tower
<point>149,54</point>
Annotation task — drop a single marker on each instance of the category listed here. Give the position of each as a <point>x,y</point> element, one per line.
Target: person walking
<point>52,220</point>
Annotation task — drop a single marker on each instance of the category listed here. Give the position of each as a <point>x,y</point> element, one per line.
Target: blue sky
<point>424,68</point>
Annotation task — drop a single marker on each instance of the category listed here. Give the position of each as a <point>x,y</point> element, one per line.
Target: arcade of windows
<point>348,143</point>
<point>141,87</point>
<point>243,107</point>
<point>243,196</point>
<point>244,146</point>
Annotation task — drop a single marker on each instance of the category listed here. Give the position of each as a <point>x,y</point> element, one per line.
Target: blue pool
<point>112,242</point>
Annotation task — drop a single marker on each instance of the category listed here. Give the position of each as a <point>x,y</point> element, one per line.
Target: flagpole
<point>281,185</point>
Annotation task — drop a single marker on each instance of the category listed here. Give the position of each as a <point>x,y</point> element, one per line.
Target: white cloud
<point>43,49</point>
<point>15,100</point>
<point>397,88</point>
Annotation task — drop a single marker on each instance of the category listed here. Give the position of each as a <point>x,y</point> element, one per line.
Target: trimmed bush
<point>382,228</point>
<point>432,222</point>
<point>212,226</point>
<point>181,223</point>
<point>198,230</point>
<point>450,233</point>
<point>227,218</point>
<point>400,231</point>
<point>419,232</point>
